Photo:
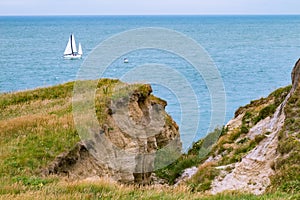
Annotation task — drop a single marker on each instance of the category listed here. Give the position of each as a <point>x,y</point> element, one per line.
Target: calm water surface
<point>254,54</point>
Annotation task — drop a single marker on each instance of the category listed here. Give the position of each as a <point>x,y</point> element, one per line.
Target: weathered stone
<point>253,173</point>
<point>136,127</point>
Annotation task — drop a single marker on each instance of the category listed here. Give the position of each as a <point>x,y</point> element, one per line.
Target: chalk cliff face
<point>134,128</point>
<point>261,147</point>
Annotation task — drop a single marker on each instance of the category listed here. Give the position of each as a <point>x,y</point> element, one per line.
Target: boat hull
<point>72,57</point>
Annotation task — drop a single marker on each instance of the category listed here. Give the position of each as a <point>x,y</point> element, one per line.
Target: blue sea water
<point>254,54</point>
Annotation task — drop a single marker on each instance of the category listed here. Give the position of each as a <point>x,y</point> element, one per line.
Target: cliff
<point>259,149</point>
<point>257,152</point>
<point>133,127</point>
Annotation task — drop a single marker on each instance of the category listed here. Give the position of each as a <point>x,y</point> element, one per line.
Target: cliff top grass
<point>37,125</point>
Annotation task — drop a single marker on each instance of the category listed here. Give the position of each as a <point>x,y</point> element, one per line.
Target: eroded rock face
<point>128,142</point>
<point>252,174</point>
<point>74,164</point>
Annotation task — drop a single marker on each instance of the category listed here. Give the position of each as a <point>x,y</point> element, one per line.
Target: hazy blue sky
<point>146,7</point>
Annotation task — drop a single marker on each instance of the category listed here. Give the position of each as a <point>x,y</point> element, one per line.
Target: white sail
<point>80,49</point>
<point>71,50</point>
<point>73,44</point>
<point>68,49</point>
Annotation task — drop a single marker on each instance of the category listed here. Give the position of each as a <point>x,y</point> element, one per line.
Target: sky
<point>148,7</point>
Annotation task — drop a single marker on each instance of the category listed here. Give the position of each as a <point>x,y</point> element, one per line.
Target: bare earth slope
<point>255,171</point>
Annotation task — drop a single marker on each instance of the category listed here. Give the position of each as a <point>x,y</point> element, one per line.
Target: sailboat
<point>71,50</point>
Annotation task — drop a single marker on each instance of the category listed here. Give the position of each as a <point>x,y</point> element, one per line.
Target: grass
<point>202,180</point>
<point>265,112</point>
<point>190,159</point>
<point>105,189</point>
<point>235,144</point>
<point>264,107</point>
<point>287,166</point>
<point>55,92</point>
<point>174,170</point>
<point>37,125</point>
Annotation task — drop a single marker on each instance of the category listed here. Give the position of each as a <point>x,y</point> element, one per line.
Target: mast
<point>72,43</point>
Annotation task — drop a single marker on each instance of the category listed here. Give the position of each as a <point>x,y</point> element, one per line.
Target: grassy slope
<point>232,151</point>
<point>287,167</point>
<point>233,145</point>
<point>37,125</point>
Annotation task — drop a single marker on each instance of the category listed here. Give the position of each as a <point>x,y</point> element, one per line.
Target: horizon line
<point>225,14</point>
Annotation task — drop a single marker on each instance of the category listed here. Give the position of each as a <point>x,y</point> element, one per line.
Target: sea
<point>254,55</point>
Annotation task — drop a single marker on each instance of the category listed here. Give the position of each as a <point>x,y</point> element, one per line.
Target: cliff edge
<point>133,127</point>
<point>259,151</point>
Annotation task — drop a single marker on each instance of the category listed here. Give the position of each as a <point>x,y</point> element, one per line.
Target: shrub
<point>192,158</point>
<point>174,170</point>
<point>259,138</point>
<point>265,112</point>
<point>202,180</point>
<point>234,136</point>
<point>244,129</point>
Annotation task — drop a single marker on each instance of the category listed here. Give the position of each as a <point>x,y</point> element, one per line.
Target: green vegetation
<point>262,108</point>
<point>287,167</point>
<point>174,170</point>
<point>190,159</point>
<point>55,92</point>
<point>265,112</point>
<point>104,94</point>
<point>104,189</point>
<point>33,182</point>
<point>244,146</point>
<point>37,125</point>
<point>234,144</point>
<point>202,180</point>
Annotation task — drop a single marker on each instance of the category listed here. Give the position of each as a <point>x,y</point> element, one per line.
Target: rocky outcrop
<point>252,174</point>
<point>134,130</point>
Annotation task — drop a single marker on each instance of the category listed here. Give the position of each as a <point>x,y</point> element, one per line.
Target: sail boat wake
<point>71,50</point>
